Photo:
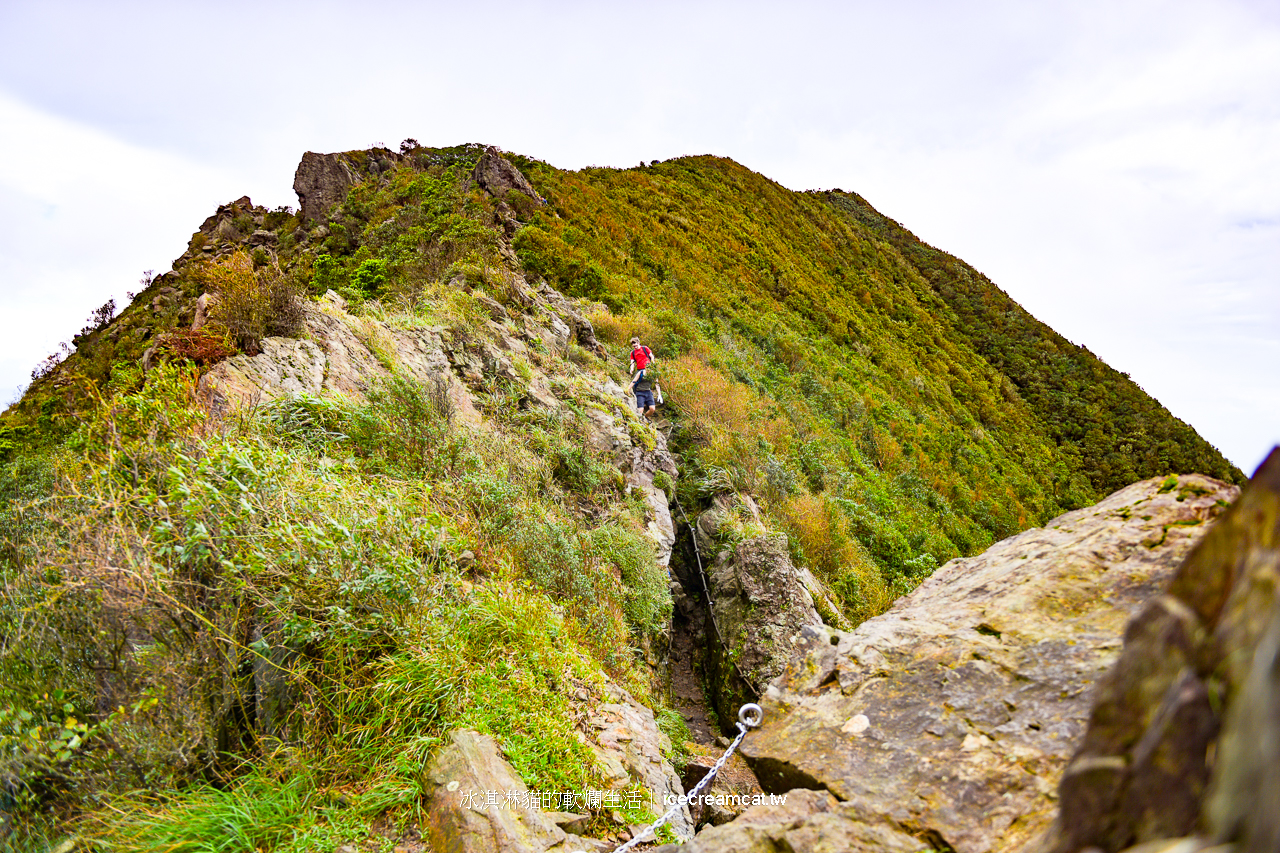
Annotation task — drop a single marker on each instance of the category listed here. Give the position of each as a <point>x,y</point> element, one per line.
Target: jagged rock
<point>954,713</point>
<point>731,789</point>
<point>165,297</point>
<point>285,366</point>
<point>496,311</point>
<point>759,601</point>
<point>632,749</point>
<point>579,325</point>
<point>1145,770</point>
<point>1246,803</point>
<point>321,181</point>
<point>496,175</point>
<point>571,822</point>
<point>227,231</point>
<point>203,304</point>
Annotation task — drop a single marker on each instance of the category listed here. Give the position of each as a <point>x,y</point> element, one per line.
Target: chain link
<point>749,716</point>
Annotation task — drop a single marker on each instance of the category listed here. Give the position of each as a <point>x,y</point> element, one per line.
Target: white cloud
<point>81,216</point>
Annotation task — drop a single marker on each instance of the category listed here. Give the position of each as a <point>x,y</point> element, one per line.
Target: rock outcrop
<point>759,601</point>
<point>949,718</point>
<point>499,177</point>
<point>804,821</point>
<point>1200,659</point>
<point>284,366</point>
<point>321,181</point>
<point>632,749</point>
<point>477,803</point>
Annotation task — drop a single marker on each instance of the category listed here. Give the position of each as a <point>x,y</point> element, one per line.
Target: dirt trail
<point>686,686</point>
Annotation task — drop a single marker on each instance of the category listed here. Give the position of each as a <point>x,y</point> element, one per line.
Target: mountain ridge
<point>375,461</point>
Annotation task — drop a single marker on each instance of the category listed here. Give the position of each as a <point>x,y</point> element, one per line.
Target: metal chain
<point>693,535</point>
<point>749,716</point>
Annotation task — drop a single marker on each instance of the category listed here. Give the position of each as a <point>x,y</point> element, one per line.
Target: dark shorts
<point>644,399</point>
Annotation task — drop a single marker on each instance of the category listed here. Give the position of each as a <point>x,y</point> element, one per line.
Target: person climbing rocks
<point>642,385</point>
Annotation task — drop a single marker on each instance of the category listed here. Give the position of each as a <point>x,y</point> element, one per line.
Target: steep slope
<point>816,367</point>
<point>889,407</point>
<point>1113,432</point>
<point>357,482</point>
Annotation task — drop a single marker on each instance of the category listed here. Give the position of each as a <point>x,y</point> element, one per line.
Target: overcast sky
<point>1114,166</point>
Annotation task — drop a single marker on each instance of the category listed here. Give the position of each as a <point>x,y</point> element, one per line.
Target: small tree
<point>100,317</point>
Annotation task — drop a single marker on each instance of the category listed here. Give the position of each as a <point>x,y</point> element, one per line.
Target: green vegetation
<point>308,555</point>
<point>1100,420</point>
<point>293,607</point>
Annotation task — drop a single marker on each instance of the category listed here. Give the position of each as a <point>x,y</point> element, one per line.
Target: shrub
<point>327,274</point>
<point>252,305</point>
<point>618,329</point>
<point>203,346</point>
<point>370,276</point>
<point>822,537</point>
<point>308,420</point>
<point>406,426</point>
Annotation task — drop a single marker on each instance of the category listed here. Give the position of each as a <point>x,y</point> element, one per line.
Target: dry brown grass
<point>252,303</point>
<point>835,555</point>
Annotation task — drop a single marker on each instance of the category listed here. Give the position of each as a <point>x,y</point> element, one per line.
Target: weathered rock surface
<point>632,749</point>
<point>464,816</point>
<point>285,366</point>
<point>810,821</point>
<point>321,181</point>
<point>338,356</point>
<point>953,714</point>
<point>461,781</point>
<point>498,176</point>
<point>759,600</point>
<point>1151,765</point>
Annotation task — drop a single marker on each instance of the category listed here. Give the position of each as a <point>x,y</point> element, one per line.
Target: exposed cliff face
<point>950,717</point>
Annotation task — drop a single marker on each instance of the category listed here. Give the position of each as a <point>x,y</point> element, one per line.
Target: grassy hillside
<point>822,361</point>
<point>1110,429</point>
<point>390,571</point>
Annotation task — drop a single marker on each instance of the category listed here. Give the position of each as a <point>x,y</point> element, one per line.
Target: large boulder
<point>953,714</point>
<point>632,749</point>
<point>285,366</point>
<point>759,601</point>
<point>1201,659</point>
<point>809,821</point>
<point>477,803</point>
<point>341,353</point>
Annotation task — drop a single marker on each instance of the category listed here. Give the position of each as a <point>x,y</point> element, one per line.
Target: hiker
<point>642,385</point>
<point>640,357</point>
